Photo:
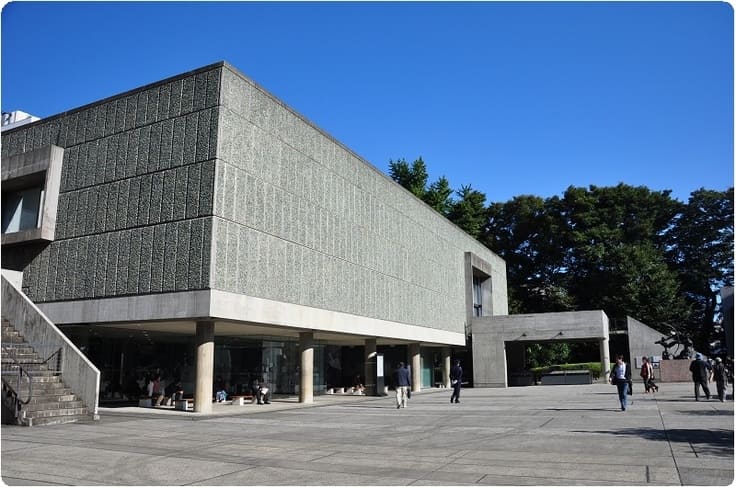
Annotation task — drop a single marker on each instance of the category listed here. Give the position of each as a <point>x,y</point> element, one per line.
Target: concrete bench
<point>185,404</point>
<point>240,399</point>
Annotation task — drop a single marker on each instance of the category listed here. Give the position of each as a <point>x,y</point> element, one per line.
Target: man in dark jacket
<point>403,383</point>
<point>456,380</point>
<point>701,372</point>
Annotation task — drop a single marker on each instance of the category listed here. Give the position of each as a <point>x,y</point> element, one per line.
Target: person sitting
<point>173,392</point>
<point>263,393</point>
<point>358,389</point>
<point>220,392</point>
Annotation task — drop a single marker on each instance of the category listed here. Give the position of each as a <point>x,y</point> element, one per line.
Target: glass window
<point>21,209</point>
<point>477,297</point>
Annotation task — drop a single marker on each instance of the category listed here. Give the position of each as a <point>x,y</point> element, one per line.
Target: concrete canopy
<point>493,338</point>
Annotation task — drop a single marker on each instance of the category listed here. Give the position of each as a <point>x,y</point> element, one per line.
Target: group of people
<point>702,373</point>
<point>403,384</point>
<point>258,387</point>
<point>162,393</point>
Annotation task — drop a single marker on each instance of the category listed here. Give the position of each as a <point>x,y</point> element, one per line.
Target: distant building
<point>11,120</point>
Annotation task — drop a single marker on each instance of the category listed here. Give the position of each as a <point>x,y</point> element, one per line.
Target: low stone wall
<point>673,371</point>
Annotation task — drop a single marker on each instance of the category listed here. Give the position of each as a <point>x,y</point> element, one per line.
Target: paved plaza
<point>543,435</point>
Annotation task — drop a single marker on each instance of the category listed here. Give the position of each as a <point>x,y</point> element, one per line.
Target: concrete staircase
<point>48,400</point>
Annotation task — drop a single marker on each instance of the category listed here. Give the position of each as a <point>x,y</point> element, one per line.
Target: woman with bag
<point>621,377</point>
<point>647,374</point>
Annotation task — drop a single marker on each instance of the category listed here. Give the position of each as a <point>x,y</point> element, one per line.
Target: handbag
<point>408,393</point>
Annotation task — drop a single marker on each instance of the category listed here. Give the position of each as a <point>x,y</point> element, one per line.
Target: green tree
<point>438,196</point>
<point>700,248</point>
<point>413,178</point>
<point>547,354</point>
<point>525,232</point>
<point>469,211</point>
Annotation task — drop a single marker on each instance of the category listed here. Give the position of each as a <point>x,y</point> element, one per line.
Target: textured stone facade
<point>301,219</point>
<point>135,204</point>
<point>206,181</point>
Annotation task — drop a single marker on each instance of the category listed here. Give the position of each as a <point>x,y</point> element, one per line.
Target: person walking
<point>720,375</point>
<point>647,374</point>
<point>700,371</point>
<point>456,381</point>
<point>621,376</point>
<point>403,383</point>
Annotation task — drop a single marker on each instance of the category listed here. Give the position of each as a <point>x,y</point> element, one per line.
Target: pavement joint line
<point>191,483</point>
<point>669,442</point>
<point>548,421</point>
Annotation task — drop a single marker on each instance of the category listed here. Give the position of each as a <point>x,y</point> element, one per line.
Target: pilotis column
<point>416,367</point>
<point>446,366</point>
<point>306,380</point>
<point>369,373</point>
<point>205,366</point>
<point>605,359</point>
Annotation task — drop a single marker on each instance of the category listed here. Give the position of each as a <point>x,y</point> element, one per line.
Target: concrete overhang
<point>239,315</point>
<point>543,327</point>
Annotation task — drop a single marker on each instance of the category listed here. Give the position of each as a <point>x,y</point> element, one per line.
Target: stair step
<point>71,397</point>
<point>52,406</point>
<point>35,378</point>
<point>56,412</point>
<point>44,393</point>
<point>57,420</point>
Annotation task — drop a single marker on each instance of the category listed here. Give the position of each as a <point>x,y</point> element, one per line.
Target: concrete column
<point>605,359</point>
<point>306,380</point>
<point>416,367</point>
<point>446,367</point>
<point>369,371</point>
<point>205,366</point>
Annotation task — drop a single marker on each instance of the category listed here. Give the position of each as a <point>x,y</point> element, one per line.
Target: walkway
<point>544,435</point>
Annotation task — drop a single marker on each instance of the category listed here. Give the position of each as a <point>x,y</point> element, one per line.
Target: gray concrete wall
<point>135,203</point>
<point>641,341</point>
<point>77,371</point>
<point>490,334</point>
<point>301,219</point>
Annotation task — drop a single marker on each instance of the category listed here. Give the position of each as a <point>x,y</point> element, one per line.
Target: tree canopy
<point>625,249</point>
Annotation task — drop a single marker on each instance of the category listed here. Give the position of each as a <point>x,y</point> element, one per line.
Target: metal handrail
<point>21,371</point>
<point>57,369</point>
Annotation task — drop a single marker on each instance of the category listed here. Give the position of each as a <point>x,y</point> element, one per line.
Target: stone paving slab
<point>544,435</point>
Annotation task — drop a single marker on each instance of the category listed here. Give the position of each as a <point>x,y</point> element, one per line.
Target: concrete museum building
<point>199,227</point>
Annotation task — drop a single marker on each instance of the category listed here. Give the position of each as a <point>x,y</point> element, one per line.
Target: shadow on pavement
<point>584,409</point>
<point>706,413</point>
<point>713,441</point>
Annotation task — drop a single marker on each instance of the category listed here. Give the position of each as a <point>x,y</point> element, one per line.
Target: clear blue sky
<point>513,98</point>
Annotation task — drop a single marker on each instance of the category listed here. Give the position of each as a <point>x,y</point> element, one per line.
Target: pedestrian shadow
<point>707,441</point>
<point>584,409</point>
<point>680,400</point>
<point>706,412</point>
